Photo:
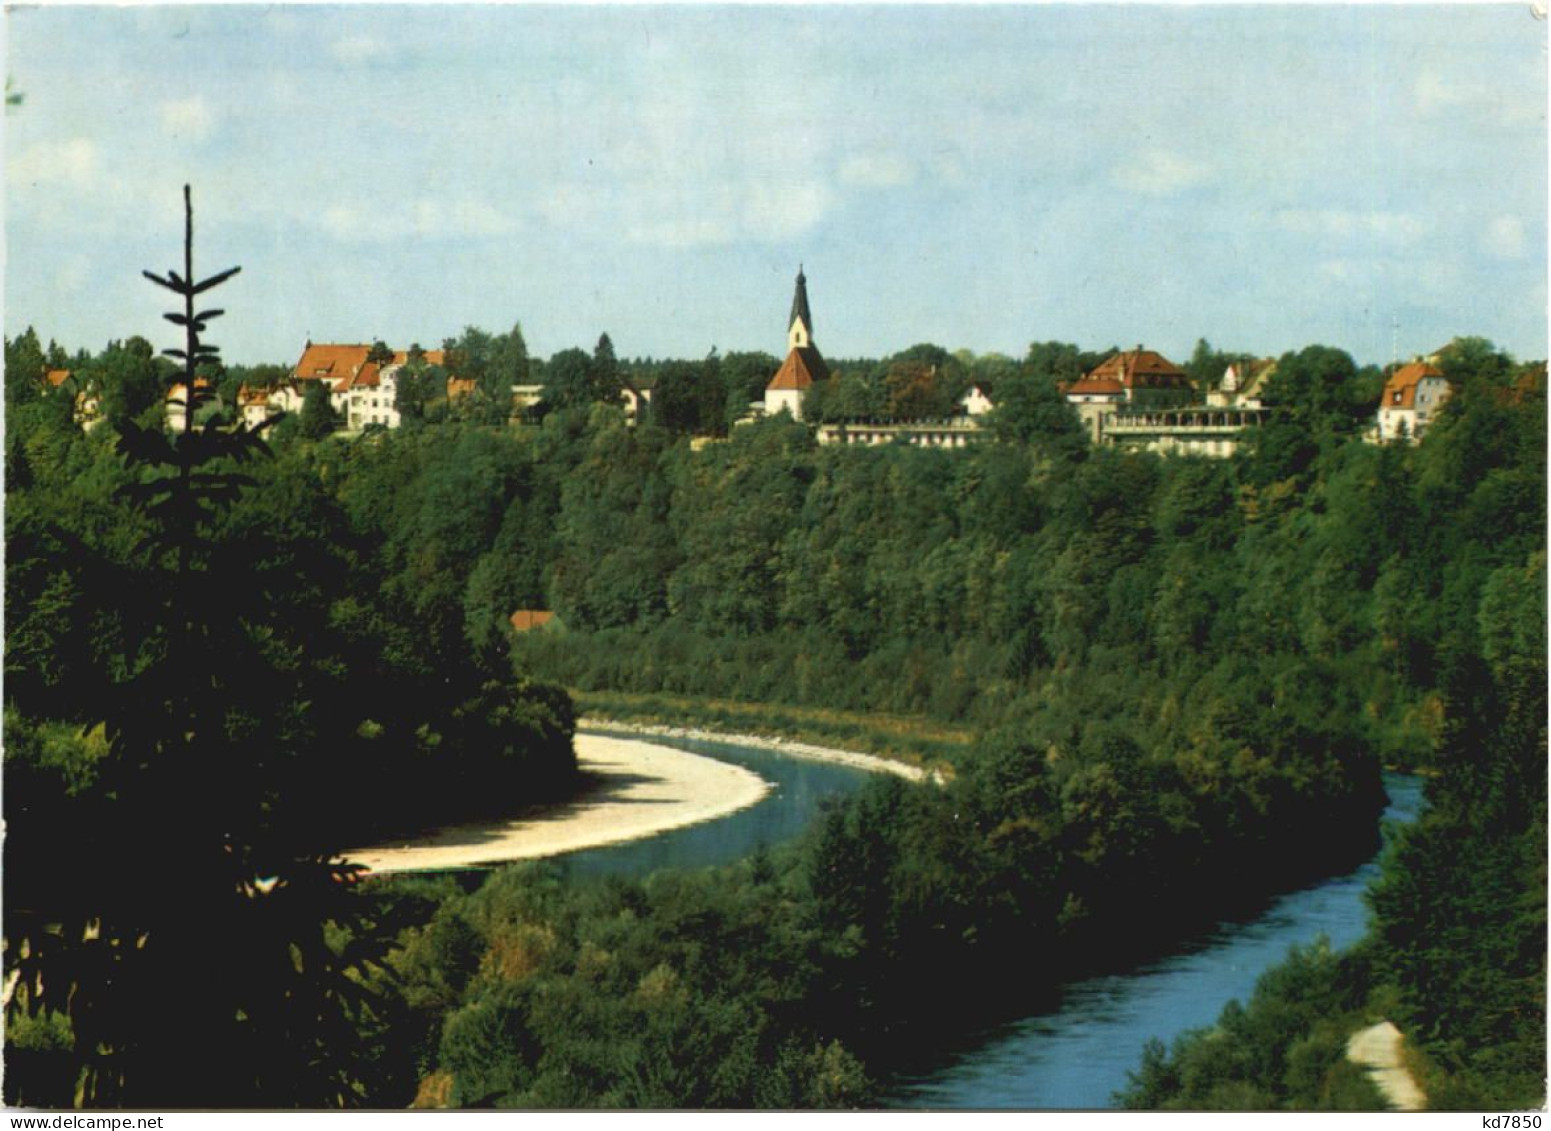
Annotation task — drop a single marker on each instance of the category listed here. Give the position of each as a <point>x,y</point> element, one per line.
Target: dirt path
<point>1377,1048</point>
<point>641,789</point>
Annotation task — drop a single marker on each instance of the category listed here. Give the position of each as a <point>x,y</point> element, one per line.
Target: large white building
<point>1135,379</point>
<point>1140,399</point>
<point>363,392</point>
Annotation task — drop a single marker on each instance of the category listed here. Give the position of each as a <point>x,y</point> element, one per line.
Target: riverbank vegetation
<point>1183,677</point>
<point>1457,952</point>
<point>916,741</point>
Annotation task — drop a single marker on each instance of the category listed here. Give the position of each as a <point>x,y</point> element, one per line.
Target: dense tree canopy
<point>1176,668</point>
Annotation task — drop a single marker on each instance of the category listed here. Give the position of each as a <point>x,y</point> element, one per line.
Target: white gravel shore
<point>781,745</point>
<point>642,789</point>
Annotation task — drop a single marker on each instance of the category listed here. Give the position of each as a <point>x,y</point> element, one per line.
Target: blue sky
<point>1267,177</point>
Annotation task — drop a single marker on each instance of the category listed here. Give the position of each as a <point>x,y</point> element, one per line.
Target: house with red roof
<point>1412,396</point>
<point>87,405</point>
<point>362,390</point>
<point>1139,379</point>
<point>177,403</point>
<point>254,404</point>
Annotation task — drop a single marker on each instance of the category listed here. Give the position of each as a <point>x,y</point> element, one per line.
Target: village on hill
<point>1132,399</point>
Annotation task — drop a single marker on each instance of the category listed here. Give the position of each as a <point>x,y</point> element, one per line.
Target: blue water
<point>801,787</point>
<point>1078,1055</point>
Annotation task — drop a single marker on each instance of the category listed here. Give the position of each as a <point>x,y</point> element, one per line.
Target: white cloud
<point>358,48</point>
<point>72,274</point>
<point>1438,278</point>
<point>876,169</point>
<point>1398,227</point>
<point>1160,172</point>
<point>46,163</point>
<point>1437,91</point>
<point>1504,238</point>
<point>719,201</point>
<point>681,232</point>
<point>462,217</point>
<point>778,210</point>
<point>344,223</point>
<point>188,119</point>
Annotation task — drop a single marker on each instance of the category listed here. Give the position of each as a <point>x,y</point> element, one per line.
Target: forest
<point>1177,671</point>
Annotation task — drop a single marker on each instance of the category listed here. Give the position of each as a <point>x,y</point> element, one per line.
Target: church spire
<point>799,328</point>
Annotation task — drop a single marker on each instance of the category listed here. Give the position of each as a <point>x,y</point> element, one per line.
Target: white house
<point>254,405</point>
<point>1243,384</point>
<point>177,412</point>
<point>637,398</point>
<point>976,401</point>
<point>1412,395</point>
<point>362,392</point>
<point>525,397</point>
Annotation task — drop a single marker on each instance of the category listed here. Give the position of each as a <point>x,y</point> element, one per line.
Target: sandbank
<point>806,750</point>
<point>639,789</point>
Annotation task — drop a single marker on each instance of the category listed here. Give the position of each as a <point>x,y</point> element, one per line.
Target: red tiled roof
<point>459,387</point>
<point>432,357</point>
<point>332,362</point>
<point>1400,389</point>
<point>803,366</point>
<point>369,377</point>
<point>1097,386</point>
<point>525,619</point>
<point>1140,369</point>
<point>57,377</point>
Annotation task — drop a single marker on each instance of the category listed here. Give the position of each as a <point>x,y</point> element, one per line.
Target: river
<point>1077,1055</point>
<point>800,788</point>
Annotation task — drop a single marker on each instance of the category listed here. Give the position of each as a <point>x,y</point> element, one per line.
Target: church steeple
<point>799,328</point>
<point>803,365</point>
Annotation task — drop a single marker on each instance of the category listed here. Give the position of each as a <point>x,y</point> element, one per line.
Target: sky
<point>1266,177</point>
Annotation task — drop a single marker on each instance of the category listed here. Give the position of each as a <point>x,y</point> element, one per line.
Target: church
<point>803,365</point>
